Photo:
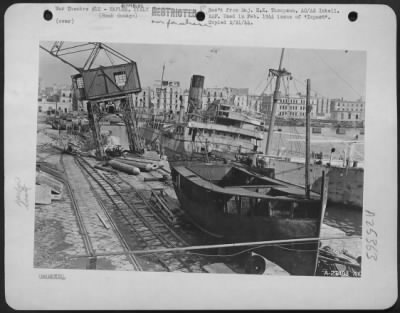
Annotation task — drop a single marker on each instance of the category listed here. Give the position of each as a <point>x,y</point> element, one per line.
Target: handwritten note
<point>184,23</point>
<point>372,236</point>
<point>22,195</point>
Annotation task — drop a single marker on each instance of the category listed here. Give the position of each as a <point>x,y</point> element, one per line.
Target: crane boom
<point>105,77</point>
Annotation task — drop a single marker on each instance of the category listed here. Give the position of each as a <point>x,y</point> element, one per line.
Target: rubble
<point>144,166</point>
<point>47,188</point>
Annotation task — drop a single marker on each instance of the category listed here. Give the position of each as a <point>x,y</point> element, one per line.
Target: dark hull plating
<point>206,211</point>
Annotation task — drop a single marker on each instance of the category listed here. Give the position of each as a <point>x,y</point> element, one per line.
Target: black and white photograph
<point>200,159</point>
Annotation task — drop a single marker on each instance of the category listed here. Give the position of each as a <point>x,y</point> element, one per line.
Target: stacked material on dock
<point>47,188</point>
<point>124,167</point>
<point>46,179</point>
<point>142,165</point>
<point>151,155</point>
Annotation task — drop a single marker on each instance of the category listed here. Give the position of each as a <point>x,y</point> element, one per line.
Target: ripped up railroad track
<point>140,223</point>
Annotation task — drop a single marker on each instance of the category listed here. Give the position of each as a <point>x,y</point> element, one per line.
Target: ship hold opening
<point>234,191</point>
<point>232,204</point>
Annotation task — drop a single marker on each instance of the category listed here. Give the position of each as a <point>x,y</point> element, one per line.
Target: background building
<point>322,109</point>
<point>142,99</point>
<point>294,107</point>
<point>55,98</point>
<point>342,110</point>
<point>166,97</point>
<point>169,96</point>
<point>212,94</point>
<point>237,96</point>
<point>255,103</point>
<point>291,107</point>
<point>65,102</point>
<point>240,97</point>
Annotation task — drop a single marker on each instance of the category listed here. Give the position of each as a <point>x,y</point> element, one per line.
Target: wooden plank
<point>46,179</point>
<point>102,221</point>
<point>42,194</point>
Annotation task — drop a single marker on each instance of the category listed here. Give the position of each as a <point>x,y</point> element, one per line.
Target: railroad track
<point>85,235</point>
<point>143,227</point>
<point>81,225</point>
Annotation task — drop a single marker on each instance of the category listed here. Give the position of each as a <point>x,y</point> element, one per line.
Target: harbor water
<point>349,221</point>
<point>344,218</point>
<point>290,141</point>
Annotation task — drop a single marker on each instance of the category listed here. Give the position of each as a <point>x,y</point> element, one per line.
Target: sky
<point>333,73</point>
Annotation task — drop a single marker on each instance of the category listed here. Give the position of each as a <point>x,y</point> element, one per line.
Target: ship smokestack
<point>195,93</point>
<point>181,113</point>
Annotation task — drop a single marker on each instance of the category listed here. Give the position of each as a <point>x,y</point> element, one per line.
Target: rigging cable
<point>109,57</point>
<point>295,87</point>
<point>337,74</point>
<point>285,87</point>
<point>313,90</point>
<point>268,84</point>
<point>259,84</point>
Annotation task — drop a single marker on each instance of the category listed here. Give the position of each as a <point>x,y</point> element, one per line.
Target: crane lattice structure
<point>98,84</point>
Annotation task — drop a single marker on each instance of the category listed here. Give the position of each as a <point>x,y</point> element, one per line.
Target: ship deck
<point>294,192</point>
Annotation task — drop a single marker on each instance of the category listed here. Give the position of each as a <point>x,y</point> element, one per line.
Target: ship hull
<point>346,185</point>
<point>205,208</point>
<point>183,146</point>
<point>298,259</point>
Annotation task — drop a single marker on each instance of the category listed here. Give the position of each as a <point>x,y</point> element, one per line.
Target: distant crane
<point>103,83</point>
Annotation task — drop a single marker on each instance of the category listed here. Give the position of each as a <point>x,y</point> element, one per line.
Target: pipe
<point>148,167</point>
<point>241,244</point>
<point>124,167</point>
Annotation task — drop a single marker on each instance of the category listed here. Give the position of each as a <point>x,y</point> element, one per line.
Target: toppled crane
<point>103,83</point>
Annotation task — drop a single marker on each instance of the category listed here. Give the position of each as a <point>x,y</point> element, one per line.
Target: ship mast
<point>279,73</point>
<point>161,88</point>
<point>308,124</point>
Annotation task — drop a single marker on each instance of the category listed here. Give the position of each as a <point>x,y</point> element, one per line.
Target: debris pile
<point>47,188</point>
<point>129,169</point>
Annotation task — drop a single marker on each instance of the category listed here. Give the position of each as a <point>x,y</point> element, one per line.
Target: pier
<point>99,215</point>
